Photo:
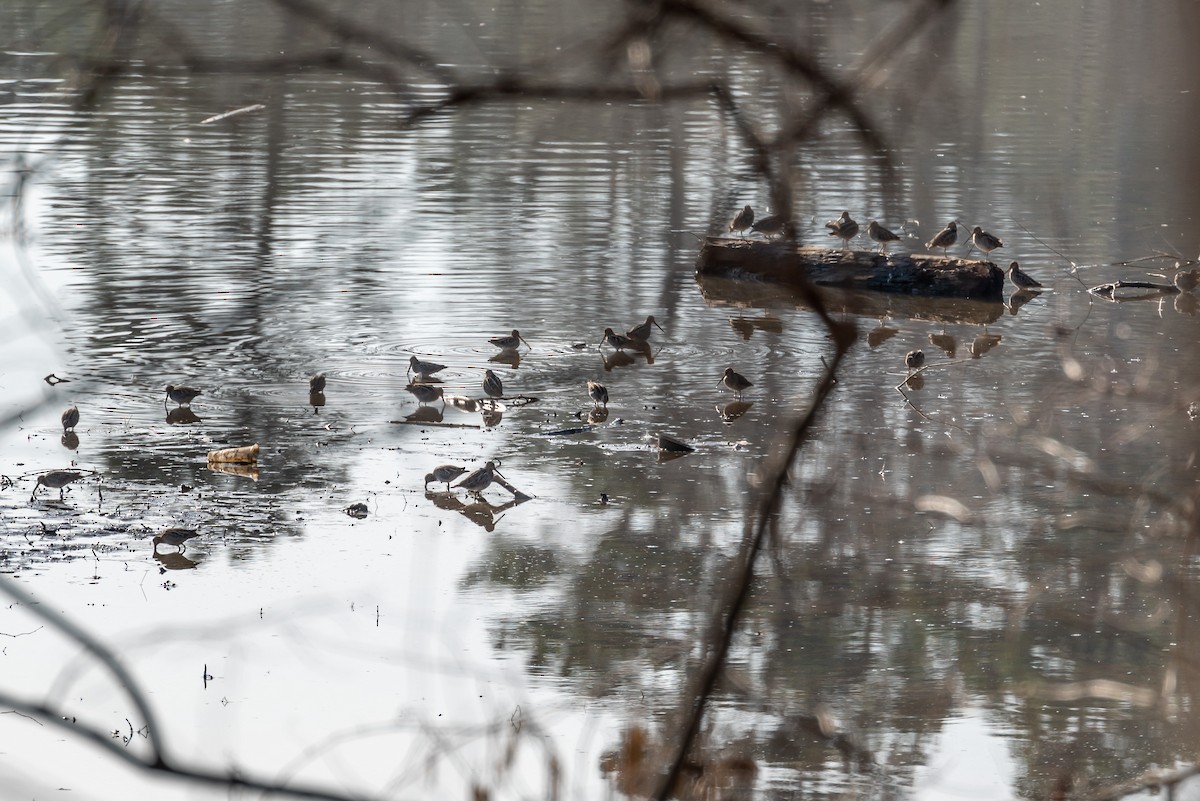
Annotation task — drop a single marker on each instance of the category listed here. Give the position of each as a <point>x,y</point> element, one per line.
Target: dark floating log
<point>915,274</point>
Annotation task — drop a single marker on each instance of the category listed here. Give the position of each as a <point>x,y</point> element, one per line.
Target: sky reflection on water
<point>245,255</point>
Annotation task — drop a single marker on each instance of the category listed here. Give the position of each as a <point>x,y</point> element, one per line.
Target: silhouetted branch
<point>157,760</point>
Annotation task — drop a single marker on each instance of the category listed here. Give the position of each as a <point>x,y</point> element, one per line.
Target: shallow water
<point>409,650</point>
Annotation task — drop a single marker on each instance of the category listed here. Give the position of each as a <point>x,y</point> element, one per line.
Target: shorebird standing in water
<point>743,220</point>
<point>481,479</point>
<point>985,241</point>
<point>844,227</point>
<point>425,393</point>
<point>914,360</point>
<point>492,385</point>
<point>598,393</point>
<point>881,235</point>
<point>317,383</point>
<point>736,382</point>
<point>175,537</point>
<point>423,369</point>
<point>1021,279</point>
<point>944,238</point>
<point>70,418</point>
<point>183,396</point>
<point>510,342</point>
<point>444,474</point>
<point>55,479</point>
<point>618,341</point>
<point>641,333</point>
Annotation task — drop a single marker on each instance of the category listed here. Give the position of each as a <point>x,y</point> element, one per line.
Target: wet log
<point>247,454</point>
<point>908,274</point>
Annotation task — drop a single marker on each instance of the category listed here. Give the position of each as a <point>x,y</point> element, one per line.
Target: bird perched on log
<point>1020,278</point>
<point>944,238</point>
<point>985,241</point>
<point>771,226</point>
<point>743,220</point>
<point>881,235</point>
<point>844,227</point>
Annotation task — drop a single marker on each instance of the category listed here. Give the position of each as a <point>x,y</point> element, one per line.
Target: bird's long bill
<point>722,378</point>
<point>496,471</point>
<point>523,339</point>
<point>659,327</point>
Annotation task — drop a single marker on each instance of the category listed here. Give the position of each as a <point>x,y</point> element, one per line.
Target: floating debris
<point>247,454</point>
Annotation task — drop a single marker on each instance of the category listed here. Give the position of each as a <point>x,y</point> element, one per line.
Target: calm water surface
<point>442,643</point>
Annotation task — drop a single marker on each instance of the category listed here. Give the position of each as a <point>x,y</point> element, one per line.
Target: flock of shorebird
<point>846,228</point>
<point>636,338</point>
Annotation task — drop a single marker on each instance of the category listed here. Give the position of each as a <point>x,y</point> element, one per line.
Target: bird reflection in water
<point>983,343</point>
<point>510,357</point>
<point>182,416</point>
<point>618,358</point>
<point>316,400</point>
<point>174,560</point>
<point>1186,303</point>
<point>915,381</point>
<point>746,326</point>
<point>70,440</point>
<point>946,342</point>
<point>597,415</point>
<point>1018,299</point>
<point>425,414</point>
<point>880,334</point>
<point>478,511</point>
<point>734,409</point>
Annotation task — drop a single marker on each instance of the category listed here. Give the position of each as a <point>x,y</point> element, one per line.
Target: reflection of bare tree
<point>830,614</point>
